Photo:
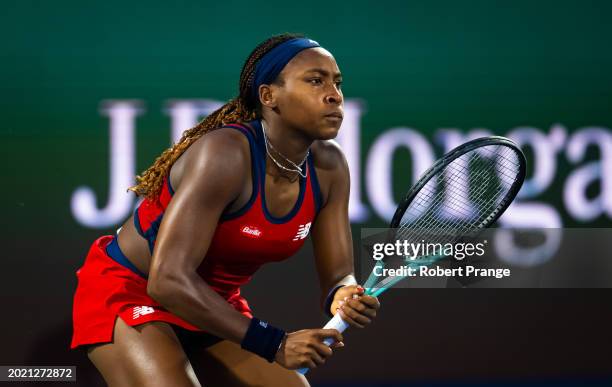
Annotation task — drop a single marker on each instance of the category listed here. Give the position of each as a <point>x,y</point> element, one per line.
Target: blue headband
<point>273,62</point>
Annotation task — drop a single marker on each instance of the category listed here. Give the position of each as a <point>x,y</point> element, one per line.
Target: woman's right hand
<point>305,348</point>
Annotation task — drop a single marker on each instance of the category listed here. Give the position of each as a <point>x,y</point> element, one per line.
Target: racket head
<point>468,148</point>
<point>486,152</point>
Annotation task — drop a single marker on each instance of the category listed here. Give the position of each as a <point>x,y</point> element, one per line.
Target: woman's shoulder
<point>225,142</point>
<point>331,167</point>
<point>328,156</point>
<point>224,138</point>
<point>222,149</point>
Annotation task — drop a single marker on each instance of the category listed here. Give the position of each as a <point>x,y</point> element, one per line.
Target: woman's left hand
<point>355,308</point>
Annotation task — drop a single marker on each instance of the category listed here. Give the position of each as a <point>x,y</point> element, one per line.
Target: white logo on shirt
<point>251,231</point>
<point>302,231</point>
<point>140,311</point>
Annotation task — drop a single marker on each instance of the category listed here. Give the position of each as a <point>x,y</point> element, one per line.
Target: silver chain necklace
<point>296,167</point>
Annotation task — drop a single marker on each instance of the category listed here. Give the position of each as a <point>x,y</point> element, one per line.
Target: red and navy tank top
<point>245,239</point>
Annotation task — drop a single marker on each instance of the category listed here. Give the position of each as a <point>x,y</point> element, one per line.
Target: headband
<point>273,62</point>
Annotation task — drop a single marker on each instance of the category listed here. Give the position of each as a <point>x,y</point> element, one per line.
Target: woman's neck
<point>290,143</point>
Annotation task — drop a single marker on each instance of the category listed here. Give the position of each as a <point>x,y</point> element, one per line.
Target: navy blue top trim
<point>137,222</point>
<point>114,251</point>
<point>254,176</point>
<point>314,182</point>
<point>262,167</point>
<point>170,189</point>
<point>151,233</point>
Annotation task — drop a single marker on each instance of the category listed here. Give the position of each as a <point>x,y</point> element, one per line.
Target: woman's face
<point>310,99</point>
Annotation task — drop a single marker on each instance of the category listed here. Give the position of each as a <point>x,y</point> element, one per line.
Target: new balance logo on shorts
<point>140,311</point>
<point>302,231</point>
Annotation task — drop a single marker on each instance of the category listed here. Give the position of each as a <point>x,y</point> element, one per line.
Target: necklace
<point>295,167</point>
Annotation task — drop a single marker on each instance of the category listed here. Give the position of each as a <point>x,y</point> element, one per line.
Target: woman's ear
<point>267,96</point>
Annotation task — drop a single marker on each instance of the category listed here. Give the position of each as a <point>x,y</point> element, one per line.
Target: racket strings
<point>443,232</point>
<point>424,199</point>
<point>457,171</point>
<point>431,204</point>
<point>461,198</point>
<point>450,210</point>
<point>456,206</point>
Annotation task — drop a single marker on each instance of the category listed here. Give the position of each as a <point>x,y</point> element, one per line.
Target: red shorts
<point>107,289</point>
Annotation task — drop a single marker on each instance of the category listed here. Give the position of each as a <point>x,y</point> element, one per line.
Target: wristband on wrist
<point>263,339</point>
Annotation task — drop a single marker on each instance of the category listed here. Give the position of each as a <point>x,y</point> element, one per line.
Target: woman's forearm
<point>192,299</point>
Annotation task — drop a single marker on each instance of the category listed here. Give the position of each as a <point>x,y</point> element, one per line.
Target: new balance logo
<point>140,311</point>
<point>302,231</point>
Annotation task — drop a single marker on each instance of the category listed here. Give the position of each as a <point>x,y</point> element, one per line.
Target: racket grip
<point>335,323</point>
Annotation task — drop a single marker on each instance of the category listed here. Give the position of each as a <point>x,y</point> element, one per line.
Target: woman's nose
<point>334,97</point>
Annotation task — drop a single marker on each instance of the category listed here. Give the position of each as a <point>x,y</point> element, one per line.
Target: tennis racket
<point>463,192</point>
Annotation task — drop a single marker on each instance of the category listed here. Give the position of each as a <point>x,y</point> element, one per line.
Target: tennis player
<point>242,188</point>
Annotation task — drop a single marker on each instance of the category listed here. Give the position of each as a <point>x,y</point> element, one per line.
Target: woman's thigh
<point>226,364</point>
<point>146,355</point>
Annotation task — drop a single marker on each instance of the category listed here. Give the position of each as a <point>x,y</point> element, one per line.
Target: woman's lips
<point>335,116</point>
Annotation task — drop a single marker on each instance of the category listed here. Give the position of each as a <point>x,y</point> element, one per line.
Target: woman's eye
<point>339,84</point>
<point>315,81</point>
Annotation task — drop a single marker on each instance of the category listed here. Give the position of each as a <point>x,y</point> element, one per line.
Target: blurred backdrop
<point>93,92</point>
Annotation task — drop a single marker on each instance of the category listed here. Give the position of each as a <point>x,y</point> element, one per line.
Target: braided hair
<point>240,109</point>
